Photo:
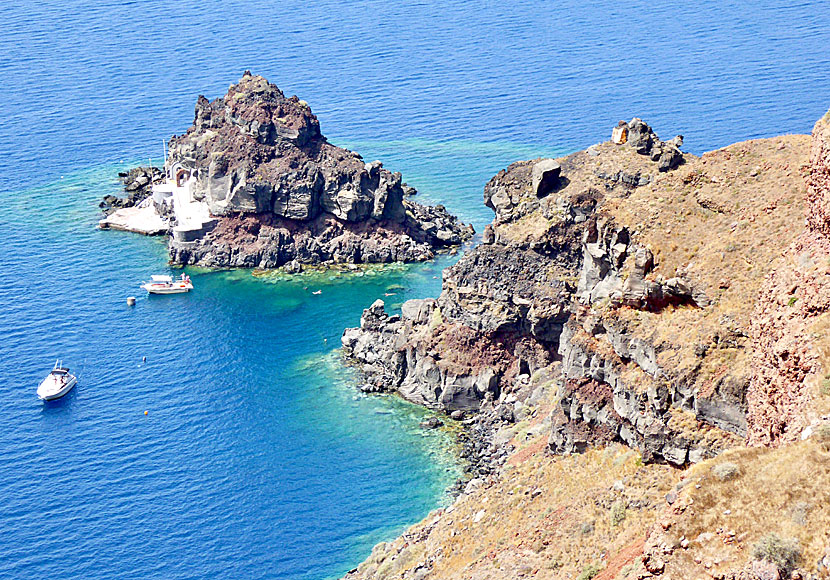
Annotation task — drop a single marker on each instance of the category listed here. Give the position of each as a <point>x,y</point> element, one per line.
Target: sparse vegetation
<point>587,528</point>
<point>618,512</point>
<point>590,571</point>
<point>823,436</point>
<point>776,491</point>
<point>726,471</point>
<point>785,554</point>
<point>799,512</point>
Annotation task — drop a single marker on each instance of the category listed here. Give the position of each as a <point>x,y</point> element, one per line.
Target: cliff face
<point>283,192</point>
<point>623,295</point>
<point>635,278</point>
<point>790,343</point>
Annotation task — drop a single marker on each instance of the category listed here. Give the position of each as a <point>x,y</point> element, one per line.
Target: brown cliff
<point>679,310</point>
<point>791,347</point>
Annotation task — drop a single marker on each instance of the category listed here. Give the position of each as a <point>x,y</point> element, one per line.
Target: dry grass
<point>547,517</point>
<point>781,492</point>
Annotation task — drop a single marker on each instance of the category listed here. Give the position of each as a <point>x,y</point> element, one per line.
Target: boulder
<point>545,177</point>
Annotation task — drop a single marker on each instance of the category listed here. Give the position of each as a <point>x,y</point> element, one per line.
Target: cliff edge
<point>634,322</point>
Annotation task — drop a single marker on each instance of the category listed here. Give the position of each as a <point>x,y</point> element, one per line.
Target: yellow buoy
<point>146,412</point>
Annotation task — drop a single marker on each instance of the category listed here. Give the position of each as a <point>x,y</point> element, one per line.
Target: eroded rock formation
<point>281,193</point>
<point>678,312</point>
<point>636,294</point>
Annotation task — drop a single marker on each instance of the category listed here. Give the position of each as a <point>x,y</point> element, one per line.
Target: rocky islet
<point>279,193</point>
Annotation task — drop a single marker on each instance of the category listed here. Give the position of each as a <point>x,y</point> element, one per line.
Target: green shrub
<point>783,553</point>
<point>822,435</point>
<point>589,571</point>
<point>726,471</point>
<point>587,528</point>
<point>617,512</point>
<point>792,301</point>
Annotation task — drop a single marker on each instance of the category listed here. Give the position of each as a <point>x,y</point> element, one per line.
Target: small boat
<point>57,383</point>
<point>166,285</point>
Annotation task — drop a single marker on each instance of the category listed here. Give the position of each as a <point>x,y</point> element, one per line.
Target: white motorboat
<point>59,382</point>
<point>167,285</point>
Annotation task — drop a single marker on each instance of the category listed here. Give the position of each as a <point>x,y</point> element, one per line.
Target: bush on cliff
<point>618,513</point>
<point>823,437</point>
<point>590,571</point>
<point>726,471</point>
<point>785,554</point>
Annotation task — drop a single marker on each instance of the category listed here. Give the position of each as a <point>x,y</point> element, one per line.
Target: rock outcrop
<point>278,192</point>
<point>269,241</point>
<point>138,186</point>
<point>790,343</point>
<point>636,293</point>
<point>680,312</point>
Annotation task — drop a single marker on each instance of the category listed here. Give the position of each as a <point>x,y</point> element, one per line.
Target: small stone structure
<point>619,135</point>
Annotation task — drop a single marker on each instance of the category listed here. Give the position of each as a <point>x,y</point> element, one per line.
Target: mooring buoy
<point>130,300</point>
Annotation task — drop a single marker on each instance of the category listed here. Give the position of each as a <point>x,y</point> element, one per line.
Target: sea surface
<point>240,448</point>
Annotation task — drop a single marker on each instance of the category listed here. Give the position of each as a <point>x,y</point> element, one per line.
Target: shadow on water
<point>59,407</point>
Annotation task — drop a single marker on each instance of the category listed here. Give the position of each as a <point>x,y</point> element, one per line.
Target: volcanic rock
<point>283,193</point>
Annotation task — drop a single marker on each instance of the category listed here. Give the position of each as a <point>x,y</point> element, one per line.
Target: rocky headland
<point>639,332</point>
<point>269,190</point>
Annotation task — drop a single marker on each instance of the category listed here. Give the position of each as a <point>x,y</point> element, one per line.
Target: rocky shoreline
<point>522,302</point>
<point>138,186</point>
<point>615,301</point>
<point>253,183</point>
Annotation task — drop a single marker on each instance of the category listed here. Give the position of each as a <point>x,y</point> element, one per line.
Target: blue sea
<point>240,448</point>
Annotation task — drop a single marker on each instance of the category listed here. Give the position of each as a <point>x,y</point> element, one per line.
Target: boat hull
<point>49,390</point>
<point>160,289</point>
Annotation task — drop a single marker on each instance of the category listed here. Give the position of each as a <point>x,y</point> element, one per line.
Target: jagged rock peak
<point>281,192</point>
<point>256,151</point>
<point>260,109</point>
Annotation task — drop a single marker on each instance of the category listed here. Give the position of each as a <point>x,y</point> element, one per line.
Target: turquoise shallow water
<point>257,457</point>
<point>257,452</point>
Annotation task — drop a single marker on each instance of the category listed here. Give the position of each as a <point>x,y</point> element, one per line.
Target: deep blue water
<point>257,458</point>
